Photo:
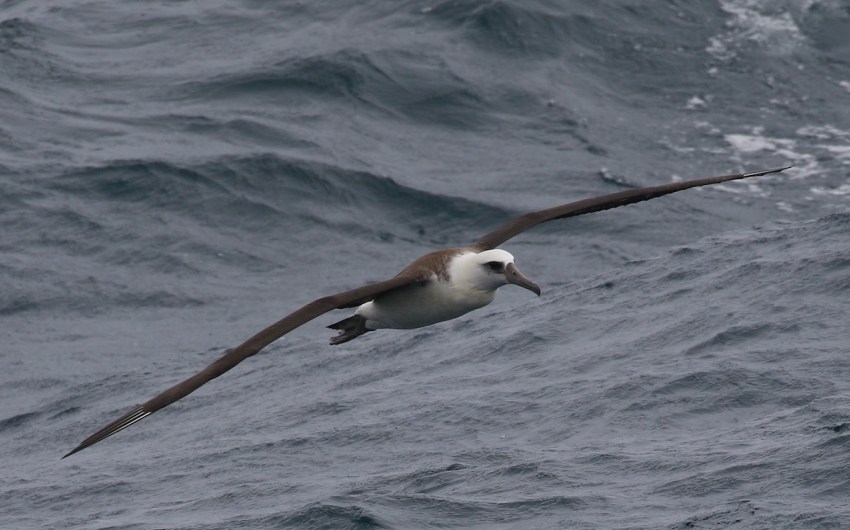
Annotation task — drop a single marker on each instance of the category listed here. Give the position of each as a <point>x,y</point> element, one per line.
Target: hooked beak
<point>515,277</point>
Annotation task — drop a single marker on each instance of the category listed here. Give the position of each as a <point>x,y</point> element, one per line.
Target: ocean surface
<point>176,175</point>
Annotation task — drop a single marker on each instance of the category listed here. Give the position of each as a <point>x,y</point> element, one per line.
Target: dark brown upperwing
<point>597,204</point>
<point>248,348</point>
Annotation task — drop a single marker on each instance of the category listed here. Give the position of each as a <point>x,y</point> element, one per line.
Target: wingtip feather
<point>137,414</point>
<point>768,171</point>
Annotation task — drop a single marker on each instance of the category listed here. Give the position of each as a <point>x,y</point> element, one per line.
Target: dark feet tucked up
<point>349,328</point>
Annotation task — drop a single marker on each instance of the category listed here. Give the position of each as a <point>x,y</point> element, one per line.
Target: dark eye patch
<point>495,266</point>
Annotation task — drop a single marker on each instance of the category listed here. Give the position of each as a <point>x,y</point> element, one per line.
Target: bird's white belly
<point>419,306</point>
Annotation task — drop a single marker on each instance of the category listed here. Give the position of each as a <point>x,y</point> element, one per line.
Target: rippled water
<point>174,176</point>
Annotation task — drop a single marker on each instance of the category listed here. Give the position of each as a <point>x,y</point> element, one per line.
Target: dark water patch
<point>27,62</point>
<point>631,388</point>
<point>253,131</point>
<point>255,190</point>
<point>302,415</point>
<point>359,380</point>
<point>341,74</point>
<point>836,273</point>
<point>740,514</point>
<point>431,90</point>
<point>686,251</point>
<point>157,298</point>
<point>98,486</point>
<point>486,457</point>
<point>30,383</point>
<point>230,495</point>
<point>703,484</point>
<point>89,296</point>
<point>525,476</point>
<point>732,387</point>
<point>344,75</point>
<point>841,427</point>
<point>826,25</point>
<point>681,275</point>
<point>18,420</point>
<point>809,519</point>
<point>838,489</point>
<point>732,377</point>
<point>17,34</point>
<point>840,441</point>
<point>399,84</point>
<point>65,412</point>
<point>322,408</point>
<point>430,481</point>
<point>460,510</point>
<point>322,515</point>
<point>736,335</point>
<point>66,219</point>
<point>357,198</point>
<point>361,435</point>
<point>456,108</point>
<point>542,504</point>
<point>18,304</point>
<point>518,342</point>
<point>529,29</point>
<point>153,183</point>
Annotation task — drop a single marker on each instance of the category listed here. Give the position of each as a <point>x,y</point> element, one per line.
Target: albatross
<point>441,285</point>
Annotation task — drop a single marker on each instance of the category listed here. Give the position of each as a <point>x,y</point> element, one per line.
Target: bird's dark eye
<point>495,266</point>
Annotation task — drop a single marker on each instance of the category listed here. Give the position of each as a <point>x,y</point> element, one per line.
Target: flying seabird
<point>441,285</point>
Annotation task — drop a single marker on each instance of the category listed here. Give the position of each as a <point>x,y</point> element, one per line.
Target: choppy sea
<point>176,175</point>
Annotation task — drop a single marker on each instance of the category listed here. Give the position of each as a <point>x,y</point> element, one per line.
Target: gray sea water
<point>176,175</point>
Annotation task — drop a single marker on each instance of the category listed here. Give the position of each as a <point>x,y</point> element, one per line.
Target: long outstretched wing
<point>597,204</point>
<point>248,348</point>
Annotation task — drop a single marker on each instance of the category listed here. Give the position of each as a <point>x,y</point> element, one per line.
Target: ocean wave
<point>265,188</point>
<point>530,28</point>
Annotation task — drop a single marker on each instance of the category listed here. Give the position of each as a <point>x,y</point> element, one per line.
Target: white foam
<point>840,149</point>
<point>832,144</point>
<point>823,132</point>
<point>784,206</point>
<point>695,103</point>
<point>749,189</point>
<point>806,163</point>
<point>842,190</point>
<point>755,21</point>
<point>748,143</point>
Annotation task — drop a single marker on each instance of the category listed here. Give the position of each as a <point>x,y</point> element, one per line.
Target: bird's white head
<point>488,270</point>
